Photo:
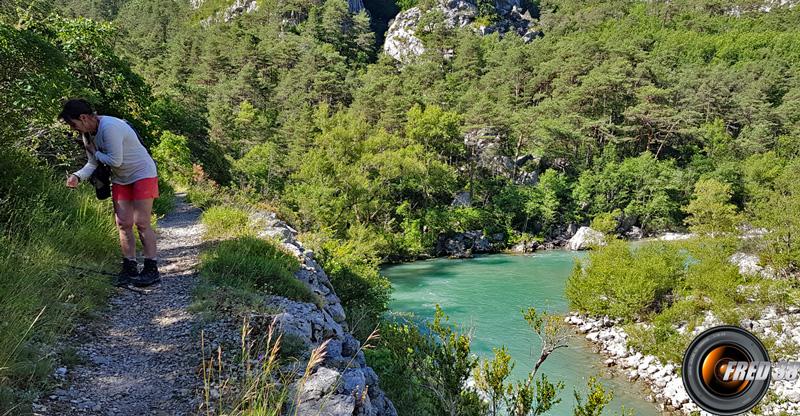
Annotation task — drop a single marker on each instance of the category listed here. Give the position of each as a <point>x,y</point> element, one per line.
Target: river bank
<point>663,379</point>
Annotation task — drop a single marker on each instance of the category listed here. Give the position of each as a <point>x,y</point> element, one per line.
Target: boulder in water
<point>586,237</point>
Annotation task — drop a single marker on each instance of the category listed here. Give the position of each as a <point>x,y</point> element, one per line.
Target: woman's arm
<point>112,143</point>
<point>89,167</point>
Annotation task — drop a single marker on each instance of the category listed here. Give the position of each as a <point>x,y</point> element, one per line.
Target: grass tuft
<point>225,222</point>
<point>254,265</point>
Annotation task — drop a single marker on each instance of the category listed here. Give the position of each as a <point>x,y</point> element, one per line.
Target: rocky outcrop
<point>403,44</point>
<point>525,247</point>
<point>748,264</point>
<point>401,41</point>
<point>634,233</point>
<point>343,384</point>
<point>462,199</point>
<point>586,238</point>
<point>237,8</point>
<point>464,245</point>
<point>485,149</point>
<point>674,236</point>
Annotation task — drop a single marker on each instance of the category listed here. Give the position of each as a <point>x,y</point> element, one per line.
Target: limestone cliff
<point>402,40</point>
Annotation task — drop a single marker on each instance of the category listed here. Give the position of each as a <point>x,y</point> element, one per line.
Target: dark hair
<point>74,108</point>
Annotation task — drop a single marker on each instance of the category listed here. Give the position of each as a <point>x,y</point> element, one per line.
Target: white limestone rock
<point>584,238</point>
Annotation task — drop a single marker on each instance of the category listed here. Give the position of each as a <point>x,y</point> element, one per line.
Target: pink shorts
<point>146,188</point>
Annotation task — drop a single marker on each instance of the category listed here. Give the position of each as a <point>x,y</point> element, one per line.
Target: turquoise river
<point>488,293</point>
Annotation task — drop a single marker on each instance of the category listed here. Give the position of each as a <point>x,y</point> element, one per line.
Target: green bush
<point>260,169</point>
<point>624,282</point>
<point>203,195</point>
<point>173,157</point>
<point>254,264</point>
<point>606,222</point>
<point>223,222</point>
<point>165,202</point>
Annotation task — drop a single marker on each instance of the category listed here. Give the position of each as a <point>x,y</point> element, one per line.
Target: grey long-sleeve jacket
<point>119,148</point>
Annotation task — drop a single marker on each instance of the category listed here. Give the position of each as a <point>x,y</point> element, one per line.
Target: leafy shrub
<point>173,157</point>
<point>165,202</point>
<point>260,168</point>
<point>606,222</point>
<point>203,192</point>
<point>624,282</point>
<point>224,222</point>
<point>710,210</point>
<point>254,264</point>
<point>662,339</point>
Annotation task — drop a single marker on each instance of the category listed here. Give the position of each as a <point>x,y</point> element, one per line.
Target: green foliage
<point>596,400</point>
<point>203,192</point>
<point>254,264</point>
<point>710,211</point>
<point>406,4</point>
<point>490,377</point>
<point>437,130</point>
<point>43,228</point>
<point>260,169</point>
<point>436,364</point>
<point>778,210</point>
<point>527,397</point>
<point>549,201</point>
<point>421,369</point>
<point>623,282</point>
<point>606,222</point>
<point>165,202</point>
<point>224,222</point>
<point>644,188</point>
<point>173,157</point>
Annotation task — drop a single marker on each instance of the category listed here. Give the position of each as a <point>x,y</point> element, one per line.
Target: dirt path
<point>141,357</point>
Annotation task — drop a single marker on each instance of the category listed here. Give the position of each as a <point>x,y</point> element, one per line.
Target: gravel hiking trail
<point>141,357</point>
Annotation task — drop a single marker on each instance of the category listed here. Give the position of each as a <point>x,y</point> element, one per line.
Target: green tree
<point>596,400</point>
<point>710,211</point>
<point>173,157</point>
<point>490,376</point>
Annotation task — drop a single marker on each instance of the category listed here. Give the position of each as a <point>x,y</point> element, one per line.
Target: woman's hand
<point>72,181</point>
<point>90,148</point>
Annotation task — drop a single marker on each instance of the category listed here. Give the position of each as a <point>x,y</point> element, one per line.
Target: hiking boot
<point>149,275</point>
<point>129,271</point>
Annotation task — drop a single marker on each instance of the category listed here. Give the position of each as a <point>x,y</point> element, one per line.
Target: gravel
<point>140,357</point>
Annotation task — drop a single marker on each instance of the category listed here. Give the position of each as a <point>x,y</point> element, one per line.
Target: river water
<point>488,293</point>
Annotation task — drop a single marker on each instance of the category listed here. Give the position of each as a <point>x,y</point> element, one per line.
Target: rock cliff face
<point>403,44</point>
<point>237,8</point>
<point>343,384</point>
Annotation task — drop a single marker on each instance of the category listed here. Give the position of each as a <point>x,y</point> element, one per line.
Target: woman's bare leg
<point>124,217</point>
<point>142,213</point>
